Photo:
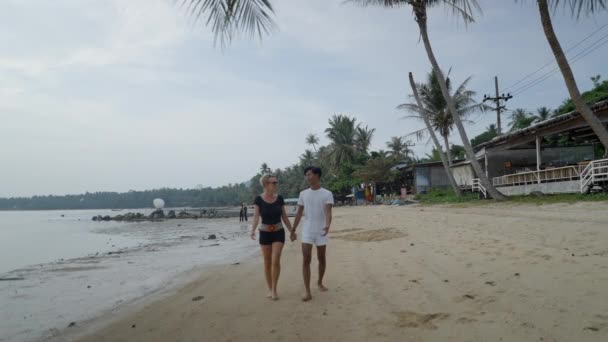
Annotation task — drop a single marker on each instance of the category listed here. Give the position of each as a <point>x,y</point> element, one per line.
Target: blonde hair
<point>264,179</point>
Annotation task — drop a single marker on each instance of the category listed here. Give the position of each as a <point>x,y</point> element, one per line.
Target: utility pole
<point>497,100</point>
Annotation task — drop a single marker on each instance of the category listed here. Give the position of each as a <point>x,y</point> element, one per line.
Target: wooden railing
<point>548,175</point>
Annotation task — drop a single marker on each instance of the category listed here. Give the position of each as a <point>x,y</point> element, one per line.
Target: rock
<point>72,324</point>
<point>94,218</point>
<point>107,218</point>
<point>133,326</point>
<point>411,244</point>
<point>197,298</point>
<point>211,237</point>
<point>446,281</point>
<point>171,214</point>
<point>537,194</point>
<point>517,274</point>
<point>157,214</point>
<point>118,218</point>
<point>491,283</point>
<point>236,263</point>
<point>89,286</point>
<point>179,225</point>
<point>184,214</point>
<point>62,215</point>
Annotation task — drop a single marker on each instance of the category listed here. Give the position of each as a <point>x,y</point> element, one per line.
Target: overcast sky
<point>113,95</point>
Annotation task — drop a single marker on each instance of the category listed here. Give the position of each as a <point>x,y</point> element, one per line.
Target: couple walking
<point>317,203</point>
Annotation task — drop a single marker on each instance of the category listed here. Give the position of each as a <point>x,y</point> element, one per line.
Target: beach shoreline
<point>434,273</point>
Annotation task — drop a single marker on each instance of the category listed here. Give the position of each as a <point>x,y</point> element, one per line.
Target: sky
<point>113,95</point>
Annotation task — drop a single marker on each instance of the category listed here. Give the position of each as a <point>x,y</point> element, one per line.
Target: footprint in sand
<point>407,319</point>
<point>466,320</point>
<point>373,235</point>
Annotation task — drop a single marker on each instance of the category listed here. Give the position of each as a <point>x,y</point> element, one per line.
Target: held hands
<point>293,236</point>
<point>253,234</point>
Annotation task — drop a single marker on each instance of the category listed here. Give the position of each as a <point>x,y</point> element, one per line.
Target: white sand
<point>486,273</point>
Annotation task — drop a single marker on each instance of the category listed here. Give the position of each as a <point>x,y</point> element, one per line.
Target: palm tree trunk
<point>595,123</point>
<point>420,12</point>
<point>427,122</point>
<point>447,149</point>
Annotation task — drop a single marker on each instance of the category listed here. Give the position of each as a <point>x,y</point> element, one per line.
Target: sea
<point>59,268</point>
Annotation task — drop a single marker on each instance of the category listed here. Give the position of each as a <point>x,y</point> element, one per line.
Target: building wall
<point>546,188</point>
<point>463,174</point>
<point>430,176</point>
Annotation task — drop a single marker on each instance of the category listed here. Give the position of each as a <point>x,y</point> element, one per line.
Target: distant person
<point>271,208</point>
<point>317,203</point>
<point>244,211</point>
<point>241,214</point>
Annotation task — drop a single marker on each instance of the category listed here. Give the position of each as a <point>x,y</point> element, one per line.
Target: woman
<point>271,208</point>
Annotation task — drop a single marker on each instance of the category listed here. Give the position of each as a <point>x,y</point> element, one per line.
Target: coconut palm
<point>460,8</point>
<point>363,138</point>
<point>435,108</point>
<point>312,140</point>
<point>520,118</point>
<point>228,18</point>
<point>542,114</point>
<point>577,7</point>
<point>264,169</point>
<point>307,158</point>
<point>342,133</point>
<point>431,131</point>
<point>399,149</point>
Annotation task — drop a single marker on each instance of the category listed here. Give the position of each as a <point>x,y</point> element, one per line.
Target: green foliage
<point>488,135</point>
<point>229,195</point>
<point>597,94</point>
<point>442,196</point>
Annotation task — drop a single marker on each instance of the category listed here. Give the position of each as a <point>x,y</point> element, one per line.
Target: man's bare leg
<point>321,256</point>
<point>267,253</point>
<point>307,258</point>
<point>277,248</point>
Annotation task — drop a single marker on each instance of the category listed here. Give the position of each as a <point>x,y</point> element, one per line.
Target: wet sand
<point>485,273</point>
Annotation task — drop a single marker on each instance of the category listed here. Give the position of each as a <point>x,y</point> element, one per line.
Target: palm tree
<point>399,149</point>
<point>363,138</point>
<point>434,107</point>
<point>463,9</point>
<point>228,18</point>
<point>342,134</point>
<point>264,169</point>
<point>520,118</point>
<point>577,7</point>
<point>431,130</point>
<point>312,140</point>
<point>307,158</point>
<point>543,113</point>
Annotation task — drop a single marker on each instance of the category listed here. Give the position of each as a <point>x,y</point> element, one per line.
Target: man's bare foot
<point>307,298</point>
<point>274,296</point>
<point>322,288</point>
<point>269,295</point>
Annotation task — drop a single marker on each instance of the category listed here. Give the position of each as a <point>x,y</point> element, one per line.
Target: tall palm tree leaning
<point>577,6</point>
<point>312,140</point>
<point>463,9</point>
<point>435,108</point>
<point>431,131</point>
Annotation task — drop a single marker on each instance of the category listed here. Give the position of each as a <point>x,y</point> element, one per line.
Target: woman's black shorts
<point>267,238</point>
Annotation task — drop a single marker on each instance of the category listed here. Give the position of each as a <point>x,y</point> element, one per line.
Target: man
<point>317,203</point>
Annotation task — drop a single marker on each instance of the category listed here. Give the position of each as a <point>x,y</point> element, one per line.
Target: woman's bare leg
<point>277,249</point>
<point>267,253</point>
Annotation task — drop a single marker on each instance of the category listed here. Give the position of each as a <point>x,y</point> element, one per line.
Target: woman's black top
<point>270,212</point>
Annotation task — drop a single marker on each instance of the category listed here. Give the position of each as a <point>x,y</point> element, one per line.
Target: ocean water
<point>35,237</point>
<point>72,269</point>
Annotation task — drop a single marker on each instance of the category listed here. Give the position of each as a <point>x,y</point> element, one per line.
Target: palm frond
<point>227,18</point>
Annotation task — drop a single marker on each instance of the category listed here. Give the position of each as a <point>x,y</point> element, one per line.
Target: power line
<point>596,45</point>
<point>552,61</point>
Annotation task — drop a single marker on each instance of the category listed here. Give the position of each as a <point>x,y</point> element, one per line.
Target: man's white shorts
<point>315,238</point>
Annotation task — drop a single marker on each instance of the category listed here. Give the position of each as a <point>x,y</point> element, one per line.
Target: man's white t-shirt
<point>314,202</point>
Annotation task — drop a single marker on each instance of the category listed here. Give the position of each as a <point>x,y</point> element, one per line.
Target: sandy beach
<point>482,273</point>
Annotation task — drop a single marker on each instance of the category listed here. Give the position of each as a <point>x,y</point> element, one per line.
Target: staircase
<point>478,187</point>
<point>595,176</point>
